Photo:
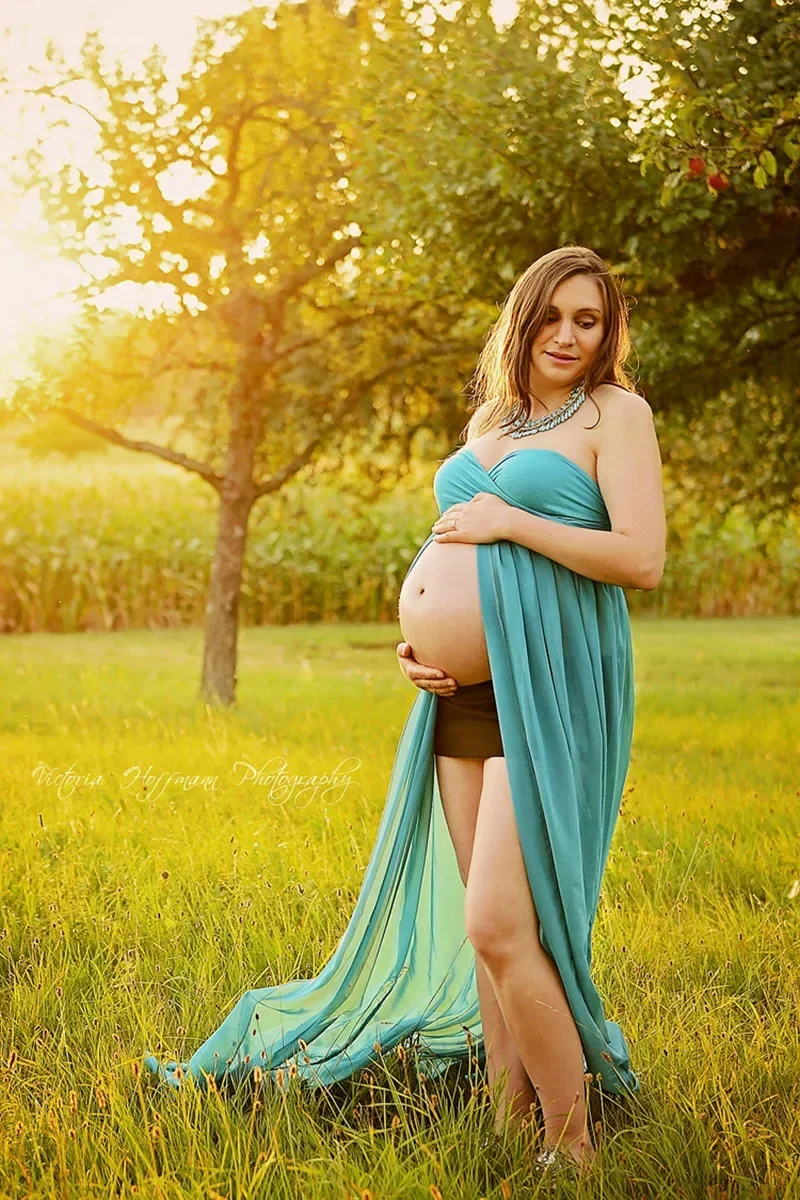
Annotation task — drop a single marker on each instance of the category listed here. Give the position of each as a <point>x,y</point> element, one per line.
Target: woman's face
<point>574,328</point>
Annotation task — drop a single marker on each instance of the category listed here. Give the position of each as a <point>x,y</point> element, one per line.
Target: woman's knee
<point>498,930</point>
<point>490,927</point>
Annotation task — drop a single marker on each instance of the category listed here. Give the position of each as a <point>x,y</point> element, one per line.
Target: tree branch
<point>279,478</point>
<point>50,91</point>
<point>119,439</point>
<point>309,271</point>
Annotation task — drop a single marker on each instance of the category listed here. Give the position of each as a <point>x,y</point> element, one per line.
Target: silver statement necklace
<point>517,429</point>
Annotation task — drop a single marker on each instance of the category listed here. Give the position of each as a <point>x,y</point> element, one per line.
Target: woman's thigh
<point>499,909</point>
<point>460,783</point>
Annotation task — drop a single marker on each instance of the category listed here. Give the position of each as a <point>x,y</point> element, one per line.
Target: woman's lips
<point>557,359</point>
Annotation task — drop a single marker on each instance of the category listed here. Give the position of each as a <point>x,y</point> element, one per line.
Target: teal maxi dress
<point>561,660</point>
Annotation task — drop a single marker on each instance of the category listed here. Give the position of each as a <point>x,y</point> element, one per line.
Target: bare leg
<point>460,785</point>
<point>508,1080</point>
<point>503,927</point>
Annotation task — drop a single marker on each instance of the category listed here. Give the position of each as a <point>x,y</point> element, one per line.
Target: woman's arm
<point>632,553</point>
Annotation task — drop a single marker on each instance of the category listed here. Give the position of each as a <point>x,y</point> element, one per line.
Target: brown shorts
<point>467,725</point>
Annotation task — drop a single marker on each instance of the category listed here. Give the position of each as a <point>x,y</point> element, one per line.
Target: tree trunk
<point>245,316</point>
<point>218,683</point>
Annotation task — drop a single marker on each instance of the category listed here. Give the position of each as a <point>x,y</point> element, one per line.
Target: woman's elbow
<point>649,575</point>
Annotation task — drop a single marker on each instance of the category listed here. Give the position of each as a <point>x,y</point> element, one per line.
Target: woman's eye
<point>583,324</point>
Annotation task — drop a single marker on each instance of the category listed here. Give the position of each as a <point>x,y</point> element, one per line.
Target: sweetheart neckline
<point>531,450</point>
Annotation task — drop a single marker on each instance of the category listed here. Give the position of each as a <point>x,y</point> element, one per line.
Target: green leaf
<point>790,146</point>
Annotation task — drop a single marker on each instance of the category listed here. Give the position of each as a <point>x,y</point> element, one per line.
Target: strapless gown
<point>560,654</point>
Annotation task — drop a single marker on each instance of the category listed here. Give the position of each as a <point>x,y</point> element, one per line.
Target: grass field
<point>133,918</point>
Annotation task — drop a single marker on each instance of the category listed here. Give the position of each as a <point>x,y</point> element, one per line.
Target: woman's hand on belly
<point>484,518</point>
<point>430,679</point>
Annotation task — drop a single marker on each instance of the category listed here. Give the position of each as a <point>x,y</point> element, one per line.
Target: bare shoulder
<point>625,418</point>
<point>618,404</point>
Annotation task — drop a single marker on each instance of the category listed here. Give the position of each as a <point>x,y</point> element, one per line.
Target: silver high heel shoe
<point>551,1165</point>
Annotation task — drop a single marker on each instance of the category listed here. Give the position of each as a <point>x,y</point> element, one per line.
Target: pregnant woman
<point>474,921</point>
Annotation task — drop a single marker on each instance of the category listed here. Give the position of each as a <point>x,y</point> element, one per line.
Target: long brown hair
<point>501,384</point>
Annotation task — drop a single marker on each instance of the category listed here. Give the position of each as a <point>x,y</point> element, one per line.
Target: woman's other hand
<point>430,679</point>
<point>484,518</point>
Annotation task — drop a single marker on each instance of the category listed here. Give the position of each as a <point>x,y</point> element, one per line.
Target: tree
<point>231,190</point>
<point>531,142</point>
<point>722,129</point>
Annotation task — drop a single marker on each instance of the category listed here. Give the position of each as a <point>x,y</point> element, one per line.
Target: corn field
<point>111,547</point>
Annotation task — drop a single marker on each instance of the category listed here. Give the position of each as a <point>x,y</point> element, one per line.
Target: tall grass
<point>134,916</point>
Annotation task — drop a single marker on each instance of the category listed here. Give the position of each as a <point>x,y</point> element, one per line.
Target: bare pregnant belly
<point>440,612</point>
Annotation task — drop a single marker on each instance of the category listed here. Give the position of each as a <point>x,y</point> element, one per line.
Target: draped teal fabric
<point>561,659</point>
